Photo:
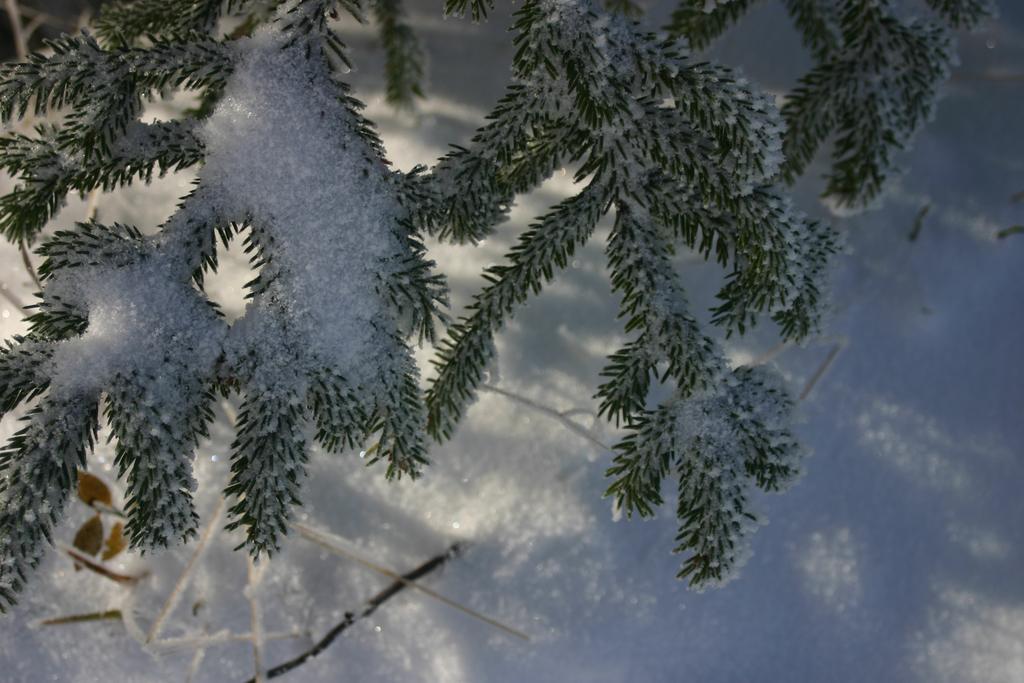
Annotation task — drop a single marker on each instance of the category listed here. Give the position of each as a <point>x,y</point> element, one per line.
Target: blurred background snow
<point>898,557</point>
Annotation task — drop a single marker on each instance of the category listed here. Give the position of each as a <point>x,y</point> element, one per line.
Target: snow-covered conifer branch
<point>49,174</point>
<point>817,22</point>
<point>79,72</point>
<point>964,13</point>
<point>654,305</point>
<point>21,375</point>
<point>153,454</point>
<point>123,22</point>
<point>544,248</point>
<point>875,82</point>
<point>700,26</point>
<point>38,469</point>
<point>684,152</point>
<point>477,9</point>
<point>720,441</point>
<point>101,144</point>
<point>267,466</point>
<point>873,93</point>
<point>470,191</point>
<point>321,351</point>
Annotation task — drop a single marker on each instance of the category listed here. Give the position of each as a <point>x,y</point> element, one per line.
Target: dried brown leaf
<point>91,489</point>
<point>89,538</point>
<point>116,542</point>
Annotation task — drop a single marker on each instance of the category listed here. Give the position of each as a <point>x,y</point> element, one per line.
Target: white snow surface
<point>896,558</point>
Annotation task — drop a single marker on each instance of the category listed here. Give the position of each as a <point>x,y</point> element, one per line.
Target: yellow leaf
<point>115,542</point>
<point>89,538</point>
<point>91,489</point>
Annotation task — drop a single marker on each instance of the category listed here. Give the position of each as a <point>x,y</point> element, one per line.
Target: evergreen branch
<point>963,14</point>
<point>399,417</point>
<point>762,415</point>
<point>90,245</point>
<point>38,469</point>
<point>81,73</point>
<point>699,25</point>
<point>643,459</point>
<point>874,84</point>
<point>194,228</point>
<point>685,151</point>
<point>742,123</point>
<point>653,303</point>
<point>874,93</point>
<point>780,268</point>
<point>154,444</point>
<point>133,326</point>
<point>720,441</point>
<point>627,8</point>
<point>713,512</point>
<point>816,21</point>
<point>702,226</point>
<point>662,138</point>
<point>93,129</point>
<point>810,111</point>
<point>268,464</point>
<point>49,174</point>
<point>470,190</point>
<point>745,440</point>
<point>307,20</point>
<point>416,293</point>
<point>403,55</point>
<point>546,246</point>
<point>124,22</point>
<point>779,260</point>
<point>799,312</point>
<point>22,372</point>
<point>56,319</point>
<point>341,419</point>
<point>477,9</point>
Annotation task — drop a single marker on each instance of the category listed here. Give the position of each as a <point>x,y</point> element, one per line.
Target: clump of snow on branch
<point>321,350</point>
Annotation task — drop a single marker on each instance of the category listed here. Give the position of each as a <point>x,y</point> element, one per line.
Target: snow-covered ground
<point>898,557</point>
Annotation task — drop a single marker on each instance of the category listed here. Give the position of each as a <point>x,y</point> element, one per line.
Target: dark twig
<point>1012,230</point>
<point>29,268</point>
<point>80,618</point>
<point>369,608</point>
<point>816,377</point>
<point>919,222</point>
<point>100,569</point>
<point>337,545</point>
